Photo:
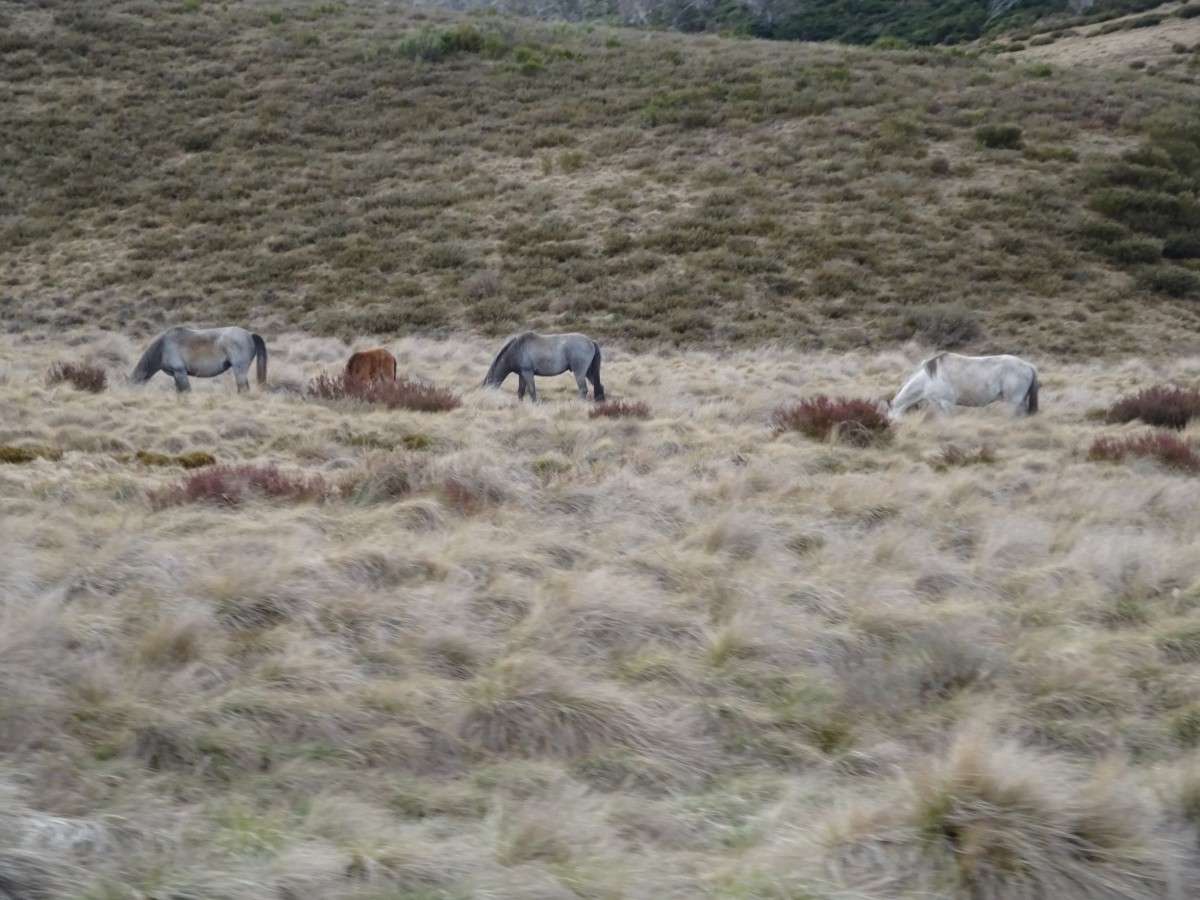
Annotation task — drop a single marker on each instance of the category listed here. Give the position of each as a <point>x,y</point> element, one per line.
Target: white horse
<point>948,380</point>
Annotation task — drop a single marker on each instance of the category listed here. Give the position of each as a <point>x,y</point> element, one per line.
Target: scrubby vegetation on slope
<point>360,167</point>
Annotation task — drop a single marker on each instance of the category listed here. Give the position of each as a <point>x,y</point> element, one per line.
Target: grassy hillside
<point>346,168</point>
<point>517,651</point>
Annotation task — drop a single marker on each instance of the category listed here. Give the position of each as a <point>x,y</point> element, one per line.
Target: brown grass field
<point>275,645</point>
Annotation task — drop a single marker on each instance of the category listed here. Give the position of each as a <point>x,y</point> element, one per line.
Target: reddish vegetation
<point>86,378</point>
<point>1161,405</point>
<point>617,409</point>
<point>1168,449</point>
<point>854,420</point>
<point>233,485</point>
<point>399,394</point>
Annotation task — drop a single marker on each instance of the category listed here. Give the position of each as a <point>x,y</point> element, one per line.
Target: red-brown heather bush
<point>855,420</point>
<point>83,377</point>
<point>399,394</point>
<point>1161,405</point>
<point>618,409</point>
<point>1171,451</point>
<point>233,485</point>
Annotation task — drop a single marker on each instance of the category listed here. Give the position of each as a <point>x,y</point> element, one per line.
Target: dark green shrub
<point>1000,137</point>
<point>1171,280</point>
<point>1185,245</point>
<point>945,325</point>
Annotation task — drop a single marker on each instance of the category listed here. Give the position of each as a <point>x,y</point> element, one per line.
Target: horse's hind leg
<point>579,380</point>
<point>241,376</point>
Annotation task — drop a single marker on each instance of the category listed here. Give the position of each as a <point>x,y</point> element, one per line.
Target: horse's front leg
<point>181,380</point>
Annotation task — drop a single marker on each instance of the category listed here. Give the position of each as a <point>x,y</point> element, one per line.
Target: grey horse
<point>532,354</point>
<point>181,352</point>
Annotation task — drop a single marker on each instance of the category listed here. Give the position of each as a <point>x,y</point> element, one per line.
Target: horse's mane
<point>510,347</point>
<point>931,364</point>
<point>150,362</point>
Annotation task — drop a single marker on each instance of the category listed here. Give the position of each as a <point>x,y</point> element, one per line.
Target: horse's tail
<point>150,362</point>
<point>593,373</point>
<point>260,357</point>
<point>1031,396</point>
<point>394,366</point>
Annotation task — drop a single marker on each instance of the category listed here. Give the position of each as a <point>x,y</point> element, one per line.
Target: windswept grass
<point>529,650</point>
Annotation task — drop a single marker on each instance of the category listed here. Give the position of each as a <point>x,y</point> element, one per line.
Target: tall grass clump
<point>399,394</point>
<point>1162,405</point>
<point>84,377</point>
<point>235,485</point>
<point>992,820</point>
<point>857,421</point>
<point>1171,451</point>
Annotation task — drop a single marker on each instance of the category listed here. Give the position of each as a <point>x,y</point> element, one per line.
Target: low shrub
<point>620,409</point>
<point>1171,280</point>
<point>857,421</point>
<point>1173,452</point>
<point>234,485</point>
<point>1000,137</point>
<point>943,325</point>
<point>83,377</point>
<point>399,394</point>
<point>1161,405</point>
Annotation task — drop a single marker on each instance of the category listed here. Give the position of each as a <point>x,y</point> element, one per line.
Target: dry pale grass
<point>517,650</point>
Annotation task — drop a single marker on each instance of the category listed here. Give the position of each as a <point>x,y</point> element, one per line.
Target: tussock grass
<point>522,646</point>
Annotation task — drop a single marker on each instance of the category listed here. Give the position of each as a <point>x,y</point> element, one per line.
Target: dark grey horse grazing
<point>532,354</point>
<point>181,352</point>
